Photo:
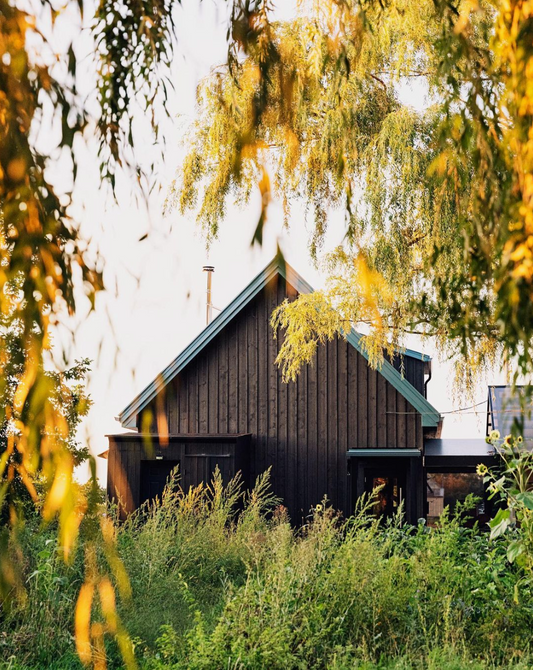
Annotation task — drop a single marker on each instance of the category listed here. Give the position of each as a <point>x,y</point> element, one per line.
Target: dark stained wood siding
<point>412,369</point>
<point>302,429</point>
<point>197,456</point>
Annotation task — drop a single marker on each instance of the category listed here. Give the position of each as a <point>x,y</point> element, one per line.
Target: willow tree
<point>438,203</point>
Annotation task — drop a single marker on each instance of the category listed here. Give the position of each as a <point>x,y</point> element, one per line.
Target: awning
<point>458,453</point>
<point>388,453</point>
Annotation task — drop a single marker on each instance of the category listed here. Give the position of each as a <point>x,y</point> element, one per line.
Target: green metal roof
<point>430,416</point>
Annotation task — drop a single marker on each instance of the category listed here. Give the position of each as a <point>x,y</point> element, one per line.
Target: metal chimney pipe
<point>209,306</point>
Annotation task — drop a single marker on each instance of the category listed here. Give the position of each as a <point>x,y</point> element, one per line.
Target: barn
<point>341,429</point>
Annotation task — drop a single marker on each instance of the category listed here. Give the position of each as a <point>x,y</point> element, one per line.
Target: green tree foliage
<point>23,492</point>
<point>437,202</point>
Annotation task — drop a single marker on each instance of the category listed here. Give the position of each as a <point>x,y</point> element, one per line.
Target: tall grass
<point>224,581</point>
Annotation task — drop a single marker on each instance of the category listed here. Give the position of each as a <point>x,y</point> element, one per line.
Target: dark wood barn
<point>337,431</point>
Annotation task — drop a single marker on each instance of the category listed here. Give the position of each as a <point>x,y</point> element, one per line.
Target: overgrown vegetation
<point>215,589</point>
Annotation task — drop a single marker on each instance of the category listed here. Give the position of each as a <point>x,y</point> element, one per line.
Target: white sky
<point>155,303</point>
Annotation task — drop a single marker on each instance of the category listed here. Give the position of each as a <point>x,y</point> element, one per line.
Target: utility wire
<point>451,411</point>
<point>464,410</point>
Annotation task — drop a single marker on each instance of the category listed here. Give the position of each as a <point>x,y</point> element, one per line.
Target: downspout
<point>428,368</point>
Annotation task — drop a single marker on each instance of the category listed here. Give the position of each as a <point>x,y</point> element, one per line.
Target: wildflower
<point>519,439</point>
<point>494,435</point>
<point>508,440</point>
<point>318,508</point>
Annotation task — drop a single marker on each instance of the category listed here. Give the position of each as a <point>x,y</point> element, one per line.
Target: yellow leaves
<point>463,22</point>
<point>70,518</point>
<point>292,150</point>
<point>332,16</point>
<point>527,196</point>
<point>161,419</point>
<point>61,486</point>
<point>251,150</point>
<point>39,248</point>
<point>526,103</point>
<point>264,189</point>
<point>264,186</point>
<point>374,292</point>
<point>16,169</point>
<point>306,322</point>
<point>107,601</point>
<point>26,382</point>
<point>315,55</point>
<point>317,117</point>
<point>113,559</point>
<point>520,254</point>
<point>439,165</point>
<point>251,75</point>
<point>89,634</point>
<point>99,655</point>
<point>512,45</point>
<point>82,621</point>
<point>358,296</point>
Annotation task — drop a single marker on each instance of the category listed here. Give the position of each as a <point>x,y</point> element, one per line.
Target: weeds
<point>221,580</point>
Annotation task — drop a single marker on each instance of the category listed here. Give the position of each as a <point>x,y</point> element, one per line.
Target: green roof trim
<point>430,416</point>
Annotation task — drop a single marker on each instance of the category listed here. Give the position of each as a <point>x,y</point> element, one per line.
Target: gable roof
<point>430,416</point>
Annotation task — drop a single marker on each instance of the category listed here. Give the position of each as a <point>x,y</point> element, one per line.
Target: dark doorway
<point>154,476</point>
<point>391,484</point>
<point>400,475</point>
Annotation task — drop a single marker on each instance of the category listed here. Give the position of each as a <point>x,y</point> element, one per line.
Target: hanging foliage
<point>438,202</point>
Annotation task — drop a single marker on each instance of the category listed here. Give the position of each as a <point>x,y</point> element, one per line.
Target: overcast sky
<point>155,303</point>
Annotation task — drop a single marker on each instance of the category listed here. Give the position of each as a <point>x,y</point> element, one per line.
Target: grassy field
<point>215,589</point>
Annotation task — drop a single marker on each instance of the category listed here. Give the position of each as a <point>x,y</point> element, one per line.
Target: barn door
<point>201,461</point>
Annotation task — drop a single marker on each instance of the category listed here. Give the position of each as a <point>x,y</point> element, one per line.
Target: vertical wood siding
<point>197,457</point>
<point>303,429</point>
